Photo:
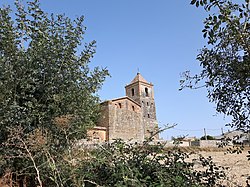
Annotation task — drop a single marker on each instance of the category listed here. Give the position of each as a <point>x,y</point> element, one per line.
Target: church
<point>132,117</point>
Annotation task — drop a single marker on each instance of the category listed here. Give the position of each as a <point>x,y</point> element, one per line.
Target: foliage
<point>207,138</point>
<point>123,164</point>
<point>47,98</point>
<point>225,60</point>
<point>47,89</point>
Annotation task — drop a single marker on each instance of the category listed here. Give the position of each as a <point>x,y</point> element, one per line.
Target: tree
<point>208,137</point>
<point>225,60</point>
<point>46,85</point>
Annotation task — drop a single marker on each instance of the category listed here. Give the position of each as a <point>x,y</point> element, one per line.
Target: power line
<point>186,129</point>
<point>195,129</point>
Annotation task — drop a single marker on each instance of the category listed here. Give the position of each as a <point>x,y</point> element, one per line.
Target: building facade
<point>132,117</point>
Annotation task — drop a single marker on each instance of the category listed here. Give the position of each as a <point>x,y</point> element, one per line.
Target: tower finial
<point>138,71</point>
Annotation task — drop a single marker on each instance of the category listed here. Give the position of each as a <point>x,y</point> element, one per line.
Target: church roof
<point>139,78</point>
<point>121,98</point>
<point>127,98</point>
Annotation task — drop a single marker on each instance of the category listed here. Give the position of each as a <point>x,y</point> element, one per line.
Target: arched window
<point>133,108</point>
<point>133,91</point>
<point>120,105</point>
<point>148,116</point>
<point>146,92</point>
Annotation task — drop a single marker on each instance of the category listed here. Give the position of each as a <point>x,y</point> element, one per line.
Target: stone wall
<point>172,144</point>
<point>125,122</point>
<point>136,92</point>
<point>122,118</point>
<point>150,128</point>
<point>97,134</point>
<point>104,117</point>
<point>205,143</point>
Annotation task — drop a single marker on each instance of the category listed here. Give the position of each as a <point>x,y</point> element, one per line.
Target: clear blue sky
<point>162,39</point>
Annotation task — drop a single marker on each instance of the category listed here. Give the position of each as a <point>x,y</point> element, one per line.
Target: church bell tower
<point>142,92</point>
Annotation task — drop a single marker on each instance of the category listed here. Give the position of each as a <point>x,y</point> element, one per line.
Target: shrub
<point>208,137</point>
<point>123,164</point>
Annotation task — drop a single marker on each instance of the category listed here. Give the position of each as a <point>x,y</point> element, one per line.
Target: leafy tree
<point>207,138</point>
<point>46,86</point>
<point>225,60</point>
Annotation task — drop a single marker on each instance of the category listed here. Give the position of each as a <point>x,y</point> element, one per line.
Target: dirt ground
<point>239,166</point>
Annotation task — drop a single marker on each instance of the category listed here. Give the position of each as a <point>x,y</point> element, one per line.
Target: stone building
<point>132,117</point>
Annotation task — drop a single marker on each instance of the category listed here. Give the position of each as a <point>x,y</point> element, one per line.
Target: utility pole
<point>222,133</point>
<point>248,137</point>
<point>205,134</point>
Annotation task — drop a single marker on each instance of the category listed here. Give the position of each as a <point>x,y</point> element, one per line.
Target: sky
<point>159,38</point>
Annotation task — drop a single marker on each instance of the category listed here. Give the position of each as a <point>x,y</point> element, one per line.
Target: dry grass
<point>195,149</point>
<point>237,164</point>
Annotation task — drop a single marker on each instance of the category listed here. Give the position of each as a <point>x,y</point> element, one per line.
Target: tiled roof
<point>138,78</point>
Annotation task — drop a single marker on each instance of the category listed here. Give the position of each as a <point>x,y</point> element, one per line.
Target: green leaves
<point>198,3</point>
<point>43,77</point>
<point>193,2</point>
<point>225,61</point>
<point>39,60</point>
<point>123,164</point>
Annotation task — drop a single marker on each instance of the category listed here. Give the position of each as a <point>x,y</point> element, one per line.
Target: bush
<point>208,137</point>
<point>122,164</point>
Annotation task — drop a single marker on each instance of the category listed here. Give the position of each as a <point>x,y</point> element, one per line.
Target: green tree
<point>46,85</point>
<point>225,59</point>
<point>208,137</point>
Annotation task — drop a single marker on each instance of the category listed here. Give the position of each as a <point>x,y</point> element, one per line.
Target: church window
<point>148,116</point>
<point>151,133</point>
<point>147,104</point>
<point>133,108</point>
<point>146,92</point>
<point>133,91</point>
<point>120,105</point>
